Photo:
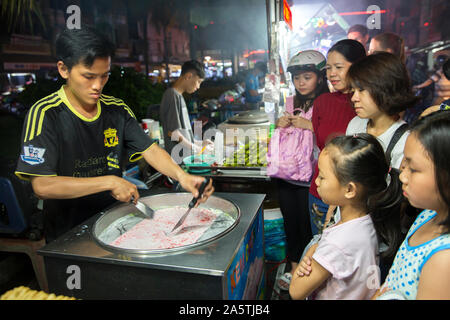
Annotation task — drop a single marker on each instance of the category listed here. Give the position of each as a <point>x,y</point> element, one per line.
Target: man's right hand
<point>122,189</point>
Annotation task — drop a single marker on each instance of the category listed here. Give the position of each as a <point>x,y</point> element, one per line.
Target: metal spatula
<point>146,210</point>
<point>192,204</point>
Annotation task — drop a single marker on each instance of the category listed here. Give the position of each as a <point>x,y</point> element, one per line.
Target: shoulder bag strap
<point>397,134</point>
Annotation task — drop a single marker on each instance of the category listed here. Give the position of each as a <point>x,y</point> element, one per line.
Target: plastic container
<point>274,235</point>
<point>153,128</point>
<point>203,160</point>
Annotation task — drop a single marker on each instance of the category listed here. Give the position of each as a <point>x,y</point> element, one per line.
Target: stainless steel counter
<point>251,173</point>
<point>206,272</point>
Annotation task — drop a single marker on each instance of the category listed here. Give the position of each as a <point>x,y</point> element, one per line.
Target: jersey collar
<point>62,95</point>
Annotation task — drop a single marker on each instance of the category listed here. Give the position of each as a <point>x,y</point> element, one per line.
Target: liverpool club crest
<point>111,138</point>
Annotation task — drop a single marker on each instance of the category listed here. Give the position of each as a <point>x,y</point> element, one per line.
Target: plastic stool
<point>30,248</point>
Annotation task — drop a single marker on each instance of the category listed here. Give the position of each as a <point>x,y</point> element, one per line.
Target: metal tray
<point>126,217</point>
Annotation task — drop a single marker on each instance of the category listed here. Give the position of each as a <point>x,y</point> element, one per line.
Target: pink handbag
<point>290,153</point>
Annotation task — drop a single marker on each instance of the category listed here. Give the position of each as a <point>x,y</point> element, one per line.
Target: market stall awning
<point>26,62</point>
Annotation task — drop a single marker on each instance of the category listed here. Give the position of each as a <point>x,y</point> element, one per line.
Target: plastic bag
<point>290,154</point>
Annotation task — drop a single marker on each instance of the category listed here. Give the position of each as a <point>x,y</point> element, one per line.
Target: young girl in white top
<point>381,91</point>
<point>421,269</point>
<point>353,174</point>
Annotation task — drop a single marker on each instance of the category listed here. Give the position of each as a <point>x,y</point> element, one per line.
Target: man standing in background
<point>252,96</point>
<point>359,33</point>
<point>174,113</point>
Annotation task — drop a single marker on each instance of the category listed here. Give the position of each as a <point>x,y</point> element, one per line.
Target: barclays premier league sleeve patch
<point>33,155</point>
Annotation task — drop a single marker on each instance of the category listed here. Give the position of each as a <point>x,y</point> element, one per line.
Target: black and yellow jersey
<point>59,141</point>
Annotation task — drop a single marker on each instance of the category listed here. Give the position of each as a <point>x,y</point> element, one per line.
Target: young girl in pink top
<point>354,175</point>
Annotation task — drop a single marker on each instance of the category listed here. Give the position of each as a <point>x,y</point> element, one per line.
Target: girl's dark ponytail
<point>385,210</point>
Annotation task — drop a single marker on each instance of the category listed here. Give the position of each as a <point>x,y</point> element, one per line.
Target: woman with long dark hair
<point>332,113</point>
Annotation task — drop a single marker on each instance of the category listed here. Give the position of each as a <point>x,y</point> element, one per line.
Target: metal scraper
<point>192,204</point>
<point>146,210</point>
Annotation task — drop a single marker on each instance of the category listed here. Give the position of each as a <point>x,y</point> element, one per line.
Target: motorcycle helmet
<point>308,60</point>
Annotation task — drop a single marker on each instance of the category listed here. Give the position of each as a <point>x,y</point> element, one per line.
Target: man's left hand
<point>192,183</point>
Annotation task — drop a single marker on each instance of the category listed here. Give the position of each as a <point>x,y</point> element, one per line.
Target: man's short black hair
<point>74,46</point>
<point>358,28</point>
<point>261,66</point>
<point>193,66</point>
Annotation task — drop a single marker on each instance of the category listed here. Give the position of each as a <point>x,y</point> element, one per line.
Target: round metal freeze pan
<point>156,202</point>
